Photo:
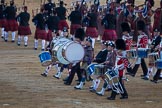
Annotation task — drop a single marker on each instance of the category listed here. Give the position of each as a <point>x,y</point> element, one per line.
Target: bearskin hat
<point>125,27</point>
<point>61,2</point>
<point>106,43</point>
<point>2,1</point>
<point>141,25</point>
<point>118,1</point>
<point>131,1</point>
<point>120,44</point>
<point>111,43</point>
<point>79,33</point>
<point>89,39</point>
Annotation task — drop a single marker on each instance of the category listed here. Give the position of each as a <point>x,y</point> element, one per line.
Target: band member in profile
<point>2,17</point>
<point>85,62</point>
<point>121,64</point>
<point>109,21</point>
<point>49,7</point>
<point>128,41</point>
<point>75,18</point>
<point>157,75</point>
<point>11,24</point>
<point>154,48</point>
<point>91,30</point>
<point>141,43</point>
<point>23,29</point>
<point>108,64</point>
<point>99,58</point>
<point>75,67</point>
<point>61,12</point>
<point>40,32</point>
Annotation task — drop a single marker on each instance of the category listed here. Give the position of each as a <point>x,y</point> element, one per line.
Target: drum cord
<point>117,86</point>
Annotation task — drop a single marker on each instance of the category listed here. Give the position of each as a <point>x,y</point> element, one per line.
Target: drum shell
<point>152,58</point>
<point>99,70</point>
<point>91,68</point>
<point>142,52</point>
<point>57,54</point>
<point>65,47</point>
<point>131,53</point>
<point>110,74</point>
<point>158,63</point>
<point>45,58</point>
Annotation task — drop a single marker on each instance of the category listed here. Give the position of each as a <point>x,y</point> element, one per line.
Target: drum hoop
<point>50,61</point>
<point>64,48</point>
<point>107,74</point>
<point>60,54</point>
<point>153,54</point>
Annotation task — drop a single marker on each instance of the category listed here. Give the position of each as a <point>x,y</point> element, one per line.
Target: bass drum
<point>73,52</point>
<point>57,53</point>
<point>58,40</point>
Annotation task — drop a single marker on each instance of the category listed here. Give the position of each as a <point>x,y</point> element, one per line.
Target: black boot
<point>134,71</point>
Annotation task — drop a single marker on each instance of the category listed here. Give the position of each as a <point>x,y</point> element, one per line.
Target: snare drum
<point>142,52</point>
<point>45,58</point>
<point>131,53</point>
<point>158,63</point>
<point>91,68</point>
<point>99,69</point>
<point>73,51</point>
<point>110,74</point>
<point>152,58</point>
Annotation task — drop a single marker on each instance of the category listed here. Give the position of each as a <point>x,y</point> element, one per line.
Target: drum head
<point>74,52</point>
<point>60,58</point>
<point>45,58</point>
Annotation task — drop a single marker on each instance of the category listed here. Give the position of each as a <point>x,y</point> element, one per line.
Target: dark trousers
<point>157,75</point>
<point>113,93</point>
<point>143,65</point>
<point>74,69</point>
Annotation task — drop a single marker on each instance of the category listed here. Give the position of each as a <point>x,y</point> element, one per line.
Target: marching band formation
<point>128,37</point>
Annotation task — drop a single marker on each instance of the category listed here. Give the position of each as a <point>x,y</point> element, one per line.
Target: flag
<point>144,11</point>
<point>125,9</point>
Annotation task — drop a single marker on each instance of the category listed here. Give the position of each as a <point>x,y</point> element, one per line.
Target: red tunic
<point>142,41</point>
<point>128,41</point>
<point>125,63</point>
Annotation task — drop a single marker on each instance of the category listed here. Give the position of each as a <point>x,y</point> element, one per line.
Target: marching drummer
<point>60,67</point>
<point>141,43</point>
<point>75,67</point>
<point>85,62</point>
<point>158,72</point>
<point>99,59</point>
<point>109,64</point>
<point>121,64</point>
<point>128,40</point>
<point>155,42</point>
